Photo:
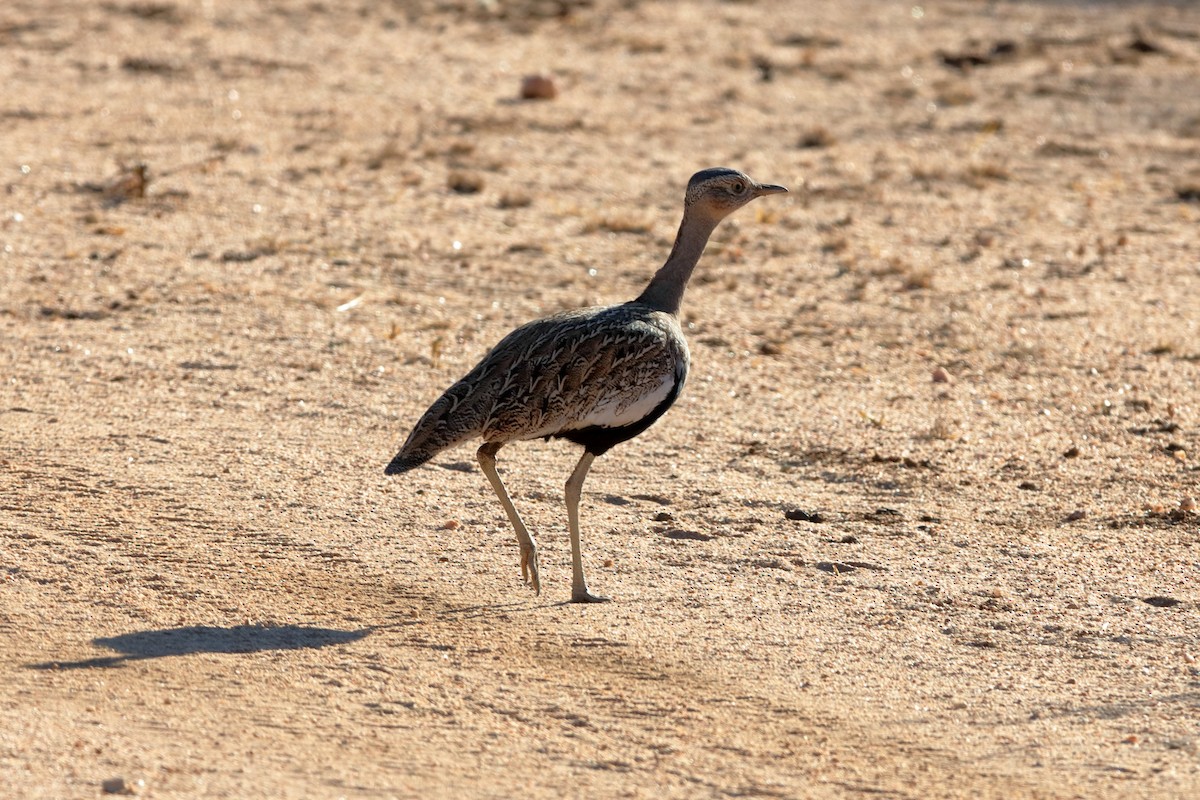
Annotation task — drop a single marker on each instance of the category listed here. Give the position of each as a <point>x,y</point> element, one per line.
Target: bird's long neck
<point>665,290</point>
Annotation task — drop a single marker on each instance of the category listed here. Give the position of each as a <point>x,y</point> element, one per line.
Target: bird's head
<point>719,191</point>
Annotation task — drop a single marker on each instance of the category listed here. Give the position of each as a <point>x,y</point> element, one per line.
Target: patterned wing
<point>597,367</point>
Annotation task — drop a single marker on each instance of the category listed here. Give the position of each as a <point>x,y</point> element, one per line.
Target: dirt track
<point>919,527</point>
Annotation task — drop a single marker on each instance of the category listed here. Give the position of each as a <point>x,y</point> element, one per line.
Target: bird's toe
<point>529,568</point>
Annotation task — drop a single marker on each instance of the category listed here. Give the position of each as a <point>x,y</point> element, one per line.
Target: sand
<point>921,526</point>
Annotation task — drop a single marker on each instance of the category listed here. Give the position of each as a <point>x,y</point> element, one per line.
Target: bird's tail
<point>403,462</point>
<point>452,419</point>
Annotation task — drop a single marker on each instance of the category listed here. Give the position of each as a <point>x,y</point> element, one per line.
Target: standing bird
<point>594,376</point>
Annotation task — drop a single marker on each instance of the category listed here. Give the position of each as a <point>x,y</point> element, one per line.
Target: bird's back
<point>607,367</point>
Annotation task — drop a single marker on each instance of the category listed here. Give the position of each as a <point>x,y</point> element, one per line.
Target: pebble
<point>1188,503</point>
<point>465,183</point>
<point>1076,515</point>
<point>450,525</point>
<point>941,376</point>
<point>538,87</point>
<point>116,786</point>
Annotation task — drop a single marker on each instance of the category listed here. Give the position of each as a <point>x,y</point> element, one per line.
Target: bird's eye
<point>739,187</point>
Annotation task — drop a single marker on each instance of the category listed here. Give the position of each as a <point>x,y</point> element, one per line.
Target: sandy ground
<point>920,527</point>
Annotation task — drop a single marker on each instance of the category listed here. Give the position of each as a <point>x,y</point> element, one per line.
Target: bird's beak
<point>769,188</point>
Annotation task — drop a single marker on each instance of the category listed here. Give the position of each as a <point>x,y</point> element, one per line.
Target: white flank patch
<point>626,408</point>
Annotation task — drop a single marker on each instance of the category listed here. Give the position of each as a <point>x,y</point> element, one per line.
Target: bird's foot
<point>582,595</point>
<point>529,567</point>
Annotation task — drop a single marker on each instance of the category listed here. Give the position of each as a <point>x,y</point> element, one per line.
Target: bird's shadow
<point>193,639</point>
<point>242,639</point>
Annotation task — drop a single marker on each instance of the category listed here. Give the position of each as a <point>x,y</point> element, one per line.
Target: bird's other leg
<point>579,587</point>
<point>529,554</point>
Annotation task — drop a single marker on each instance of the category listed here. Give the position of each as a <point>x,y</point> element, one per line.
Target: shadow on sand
<point>207,639</point>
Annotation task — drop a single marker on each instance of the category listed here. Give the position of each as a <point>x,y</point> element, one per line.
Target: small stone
<point>1071,452</point>
<point>538,87</point>
<point>608,562</point>
<point>465,182</point>
<point>1187,504</point>
<point>116,786</point>
<point>799,515</point>
<point>1076,515</point>
<point>451,525</point>
<point>940,375</point>
<point>664,516</point>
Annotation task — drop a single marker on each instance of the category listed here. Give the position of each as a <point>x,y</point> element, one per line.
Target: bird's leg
<point>529,554</point>
<point>579,587</point>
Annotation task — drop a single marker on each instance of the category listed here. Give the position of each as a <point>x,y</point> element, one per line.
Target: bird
<point>594,376</point>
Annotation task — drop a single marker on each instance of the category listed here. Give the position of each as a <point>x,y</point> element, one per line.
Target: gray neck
<point>665,290</point>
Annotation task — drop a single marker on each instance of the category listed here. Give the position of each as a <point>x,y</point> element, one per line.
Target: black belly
<point>597,439</point>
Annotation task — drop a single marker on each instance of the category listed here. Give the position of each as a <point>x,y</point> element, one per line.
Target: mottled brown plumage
<point>594,376</point>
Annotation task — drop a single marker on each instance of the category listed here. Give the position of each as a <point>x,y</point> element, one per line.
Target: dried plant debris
<point>151,66</point>
<point>682,535</point>
<point>843,567</point>
<point>1188,192</point>
<point>130,183</point>
<point>1140,43</point>
<point>966,60</point>
<point>158,12</point>
<point>816,137</point>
